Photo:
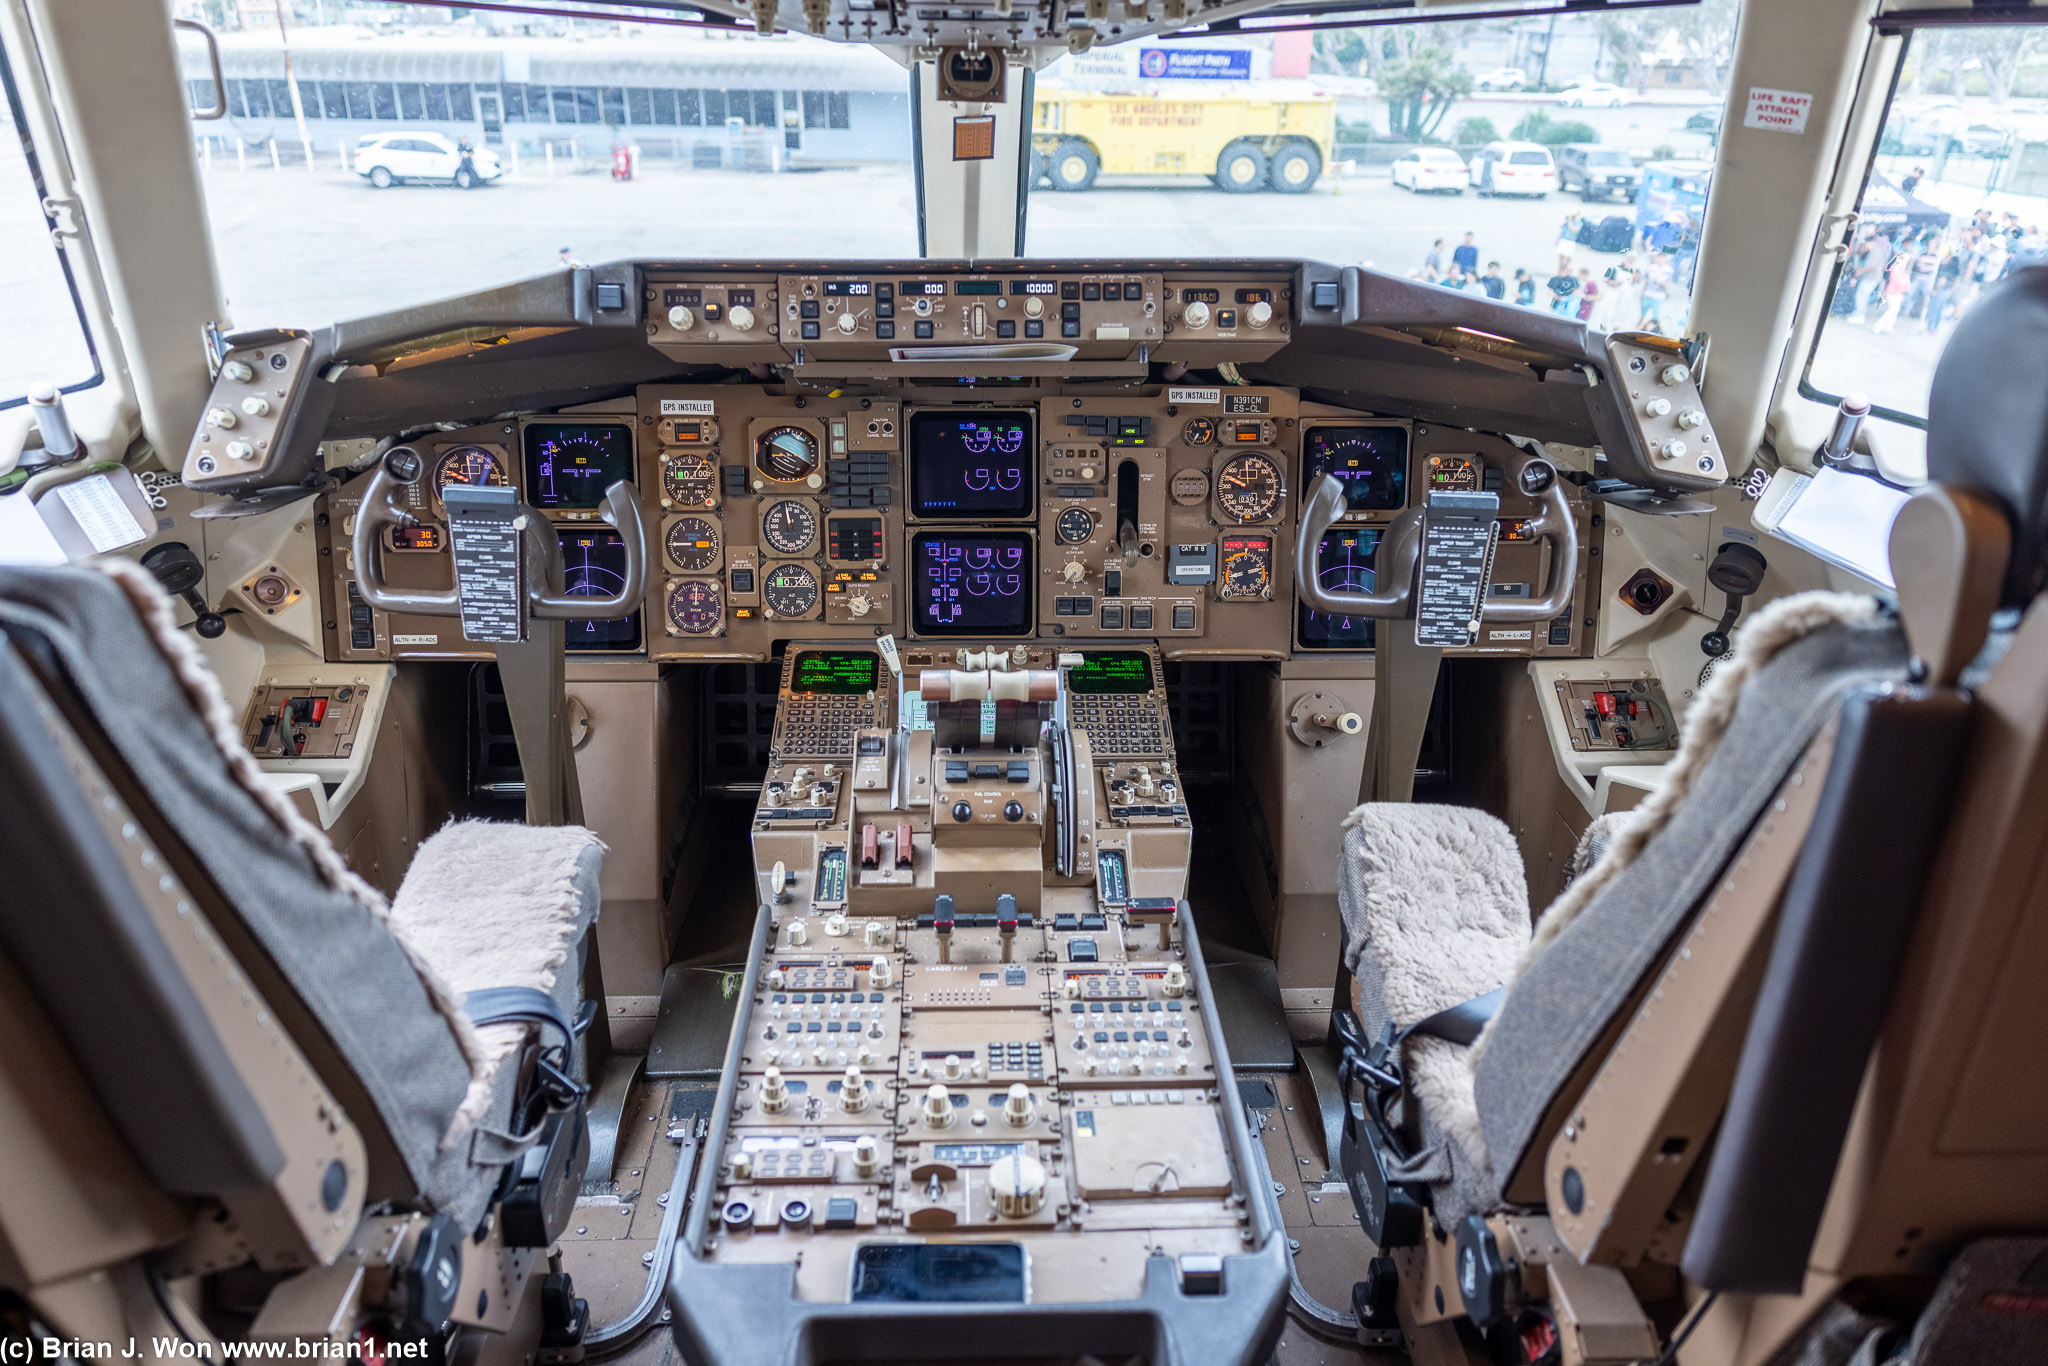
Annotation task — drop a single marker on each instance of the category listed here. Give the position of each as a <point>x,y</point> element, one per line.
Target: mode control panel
<point>855,314</point>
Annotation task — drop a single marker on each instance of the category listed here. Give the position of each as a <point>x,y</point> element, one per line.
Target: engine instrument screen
<point>1372,462</point>
<point>1343,564</point>
<point>594,566</point>
<point>571,464</point>
<point>971,583</point>
<point>837,672</point>
<point>971,465</point>
<point>1111,671</point>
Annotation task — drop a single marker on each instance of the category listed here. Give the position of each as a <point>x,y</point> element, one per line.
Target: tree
<point>1471,132</point>
<point>1420,91</point>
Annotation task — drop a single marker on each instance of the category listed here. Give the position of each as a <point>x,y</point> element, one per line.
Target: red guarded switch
<point>906,851</point>
<point>870,846</point>
<point>1603,702</point>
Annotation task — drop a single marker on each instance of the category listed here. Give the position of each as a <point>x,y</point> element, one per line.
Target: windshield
<point>1296,144</point>
<point>1956,199</point>
<point>45,341</point>
<point>431,151</point>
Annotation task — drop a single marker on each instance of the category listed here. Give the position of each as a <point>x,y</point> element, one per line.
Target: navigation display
<point>1111,671</point>
<point>1372,462</point>
<point>833,671</point>
<point>1343,564</point>
<point>571,464</point>
<point>971,465</point>
<point>971,583</point>
<point>594,566</point>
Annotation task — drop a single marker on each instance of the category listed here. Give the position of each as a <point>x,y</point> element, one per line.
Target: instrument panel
<point>1047,507</point>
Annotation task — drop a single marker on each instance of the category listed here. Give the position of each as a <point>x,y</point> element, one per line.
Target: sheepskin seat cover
<point>1436,912</point>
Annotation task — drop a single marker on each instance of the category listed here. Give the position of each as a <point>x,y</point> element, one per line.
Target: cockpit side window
<point>46,340</point>
<point>1955,199</point>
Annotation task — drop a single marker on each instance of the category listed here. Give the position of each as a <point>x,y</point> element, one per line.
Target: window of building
<point>664,102</point>
<point>331,97</point>
<point>412,101</point>
<point>385,100</point>
<point>281,99</point>
<point>764,109</point>
<point>639,108</point>
<point>614,106</point>
<point>714,108</point>
<point>814,109</point>
<point>437,101</point>
<point>460,105</point>
<point>838,112</point>
<point>690,108</point>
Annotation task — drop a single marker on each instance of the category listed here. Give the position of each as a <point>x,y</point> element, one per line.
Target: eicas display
<point>971,465</point>
<point>972,583</point>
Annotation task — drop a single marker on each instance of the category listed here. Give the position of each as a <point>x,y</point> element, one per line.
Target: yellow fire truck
<point>1243,142</point>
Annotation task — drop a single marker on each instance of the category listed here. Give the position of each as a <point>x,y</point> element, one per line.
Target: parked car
<point>1514,168</point>
<point>1431,168</point>
<point>1598,172</point>
<point>1705,121</point>
<point>1503,78</point>
<point>1592,95</point>
<point>387,159</point>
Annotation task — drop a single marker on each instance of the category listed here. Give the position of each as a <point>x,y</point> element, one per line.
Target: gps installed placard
<point>838,672</point>
<point>571,464</point>
<point>971,583</point>
<point>972,465</point>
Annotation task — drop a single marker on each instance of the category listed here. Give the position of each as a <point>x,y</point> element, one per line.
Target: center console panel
<point>976,1066</point>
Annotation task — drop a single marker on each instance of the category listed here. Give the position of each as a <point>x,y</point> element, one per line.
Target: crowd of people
<point>1641,282</point>
<point>1927,276</point>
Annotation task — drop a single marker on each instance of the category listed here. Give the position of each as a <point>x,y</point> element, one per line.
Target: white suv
<point>1514,168</point>
<point>385,159</point>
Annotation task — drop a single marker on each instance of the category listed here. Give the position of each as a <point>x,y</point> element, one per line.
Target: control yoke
<point>1401,545</point>
<point>546,598</point>
<point>511,565</point>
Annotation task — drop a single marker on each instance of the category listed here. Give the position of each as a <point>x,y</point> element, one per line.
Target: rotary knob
<point>799,935</point>
<point>835,925</point>
<point>1195,314</point>
<point>223,418</point>
<point>256,406</point>
<point>938,1107</point>
<point>1016,1182</point>
<point>875,934</point>
<point>857,605</point>
<point>1674,374</point>
<point>952,1067</point>
<point>682,317</point>
<point>1674,449</point>
<point>1074,572</point>
<point>848,323</point>
<point>1691,418</point>
<point>867,1156</point>
<point>921,306</point>
<point>879,974</point>
<point>1259,313</point>
<point>1657,407</point>
<point>1176,982</point>
<point>853,1092</point>
<point>1018,1109</point>
<point>240,371</point>
<point>774,1095</point>
<point>741,317</point>
<point>1034,307</point>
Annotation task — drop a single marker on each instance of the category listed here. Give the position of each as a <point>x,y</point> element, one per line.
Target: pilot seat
<point>226,1048</point>
<point>1577,1137</point>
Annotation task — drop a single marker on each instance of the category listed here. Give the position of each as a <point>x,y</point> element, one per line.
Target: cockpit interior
<point>980,728</point>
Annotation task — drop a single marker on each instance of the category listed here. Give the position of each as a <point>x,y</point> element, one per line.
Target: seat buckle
<point>563,1090</point>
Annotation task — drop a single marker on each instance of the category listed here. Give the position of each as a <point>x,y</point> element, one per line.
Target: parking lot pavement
<point>301,249</point>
